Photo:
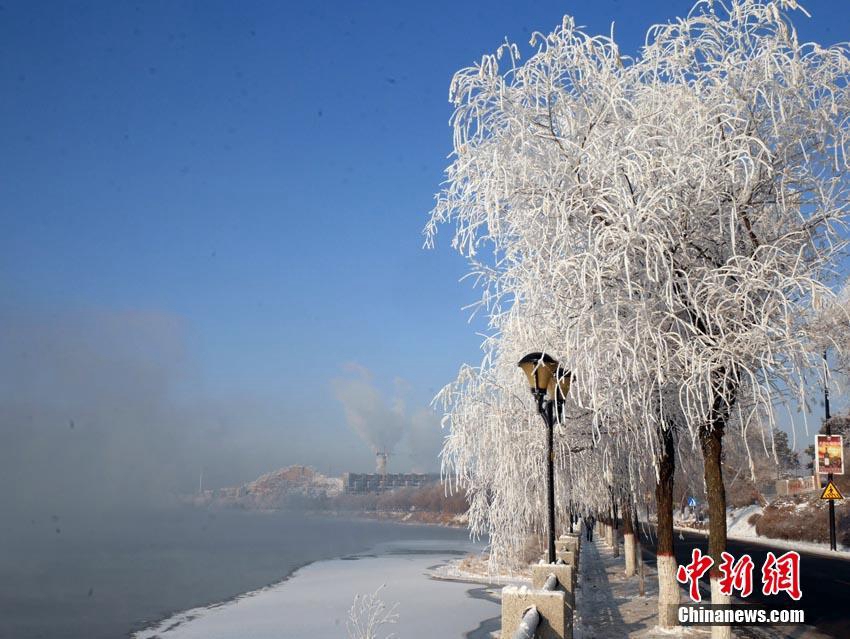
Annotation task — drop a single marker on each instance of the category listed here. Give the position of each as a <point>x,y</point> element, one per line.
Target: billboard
<point>830,454</point>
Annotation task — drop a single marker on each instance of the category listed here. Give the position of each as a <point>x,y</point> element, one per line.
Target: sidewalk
<point>608,605</point>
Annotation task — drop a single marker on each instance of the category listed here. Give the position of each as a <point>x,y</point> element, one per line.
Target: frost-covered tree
<point>668,217</point>
<point>829,330</point>
<point>368,615</point>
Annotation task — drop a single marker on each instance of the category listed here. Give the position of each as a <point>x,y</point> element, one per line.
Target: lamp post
<point>545,375</point>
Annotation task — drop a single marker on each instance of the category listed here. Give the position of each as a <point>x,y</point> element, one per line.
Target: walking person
<point>589,521</point>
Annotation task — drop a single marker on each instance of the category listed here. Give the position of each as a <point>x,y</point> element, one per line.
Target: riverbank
<point>418,517</point>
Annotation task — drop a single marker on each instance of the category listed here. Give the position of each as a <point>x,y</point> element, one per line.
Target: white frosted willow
<point>659,224</point>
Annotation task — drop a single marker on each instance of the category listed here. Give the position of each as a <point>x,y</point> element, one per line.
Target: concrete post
<point>569,543</point>
<point>566,544</point>
<point>567,556</point>
<point>566,580</point>
<point>551,605</point>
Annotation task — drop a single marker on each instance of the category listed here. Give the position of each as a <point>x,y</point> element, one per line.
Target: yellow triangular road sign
<point>831,492</point>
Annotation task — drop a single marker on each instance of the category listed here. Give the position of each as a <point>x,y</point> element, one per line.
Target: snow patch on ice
<point>475,569</point>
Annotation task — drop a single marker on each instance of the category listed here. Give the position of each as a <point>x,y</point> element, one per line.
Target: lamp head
<point>559,386</point>
<point>539,368</point>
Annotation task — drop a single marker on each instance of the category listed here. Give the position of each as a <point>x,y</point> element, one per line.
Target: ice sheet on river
<point>314,601</point>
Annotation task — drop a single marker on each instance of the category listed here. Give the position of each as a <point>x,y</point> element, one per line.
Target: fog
<point>102,409</point>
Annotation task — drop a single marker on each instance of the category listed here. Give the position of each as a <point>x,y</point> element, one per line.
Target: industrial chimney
<point>381,462</point>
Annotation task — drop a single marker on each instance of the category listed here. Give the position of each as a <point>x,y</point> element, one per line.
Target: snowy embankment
<point>474,568</point>
<point>314,602</point>
<point>740,528</point>
<point>738,524</point>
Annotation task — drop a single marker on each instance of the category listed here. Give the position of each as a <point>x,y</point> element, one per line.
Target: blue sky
<point>258,173</point>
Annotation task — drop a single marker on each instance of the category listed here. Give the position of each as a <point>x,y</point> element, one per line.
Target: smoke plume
<point>380,423</point>
<point>381,419</point>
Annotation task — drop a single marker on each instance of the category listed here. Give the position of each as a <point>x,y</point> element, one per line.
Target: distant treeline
<point>431,498</point>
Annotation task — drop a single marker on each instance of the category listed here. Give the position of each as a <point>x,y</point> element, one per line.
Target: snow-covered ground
<point>315,601</point>
<point>737,521</point>
<point>473,568</point>
<point>739,528</point>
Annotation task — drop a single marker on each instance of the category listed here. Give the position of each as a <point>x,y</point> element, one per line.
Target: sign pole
<point>832,545</point>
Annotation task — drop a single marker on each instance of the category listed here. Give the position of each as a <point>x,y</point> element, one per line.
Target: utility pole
<point>832,544</point>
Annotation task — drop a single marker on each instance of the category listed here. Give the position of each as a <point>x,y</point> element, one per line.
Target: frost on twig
<point>368,615</point>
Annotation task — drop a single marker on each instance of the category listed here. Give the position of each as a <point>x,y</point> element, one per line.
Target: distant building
<point>361,483</point>
<point>797,485</point>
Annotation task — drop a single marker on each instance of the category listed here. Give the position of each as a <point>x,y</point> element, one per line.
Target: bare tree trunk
<point>615,534</point>
<point>639,555</point>
<point>711,441</point>
<point>628,539</point>
<point>668,587</point>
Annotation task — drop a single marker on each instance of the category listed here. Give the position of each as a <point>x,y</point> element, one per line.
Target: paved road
<point>825,581</point>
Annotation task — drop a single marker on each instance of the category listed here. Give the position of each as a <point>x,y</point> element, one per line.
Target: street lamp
<point>539,368</point>
<point>545,374</point>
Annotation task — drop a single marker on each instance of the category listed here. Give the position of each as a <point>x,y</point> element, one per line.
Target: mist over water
<point>105,423</point>
<point>103,426</point>
<point>88,418</point>
<point>104,409</point>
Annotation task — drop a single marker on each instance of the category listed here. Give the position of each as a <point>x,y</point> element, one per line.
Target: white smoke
<point>380,417</point>
<point>380,422</point>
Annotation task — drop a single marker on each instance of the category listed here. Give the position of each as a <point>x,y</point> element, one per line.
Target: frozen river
<point>104,576</point>
<point>315,600</point>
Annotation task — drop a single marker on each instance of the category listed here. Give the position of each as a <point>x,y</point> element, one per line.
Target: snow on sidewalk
<point>608,605</point>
